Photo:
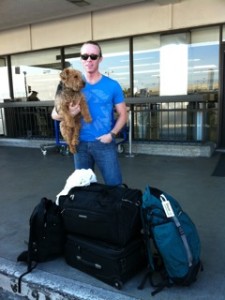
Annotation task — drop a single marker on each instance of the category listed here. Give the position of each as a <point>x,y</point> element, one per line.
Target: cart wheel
<point>64,150</point>
<point>44,151</point>
<point>120,148</point>
<point>118,284</point>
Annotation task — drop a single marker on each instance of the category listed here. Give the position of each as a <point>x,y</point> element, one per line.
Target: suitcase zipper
<point>89,264</point>
<point>130,202</point>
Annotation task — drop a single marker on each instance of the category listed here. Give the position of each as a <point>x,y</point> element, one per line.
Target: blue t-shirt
<point>101,98</point>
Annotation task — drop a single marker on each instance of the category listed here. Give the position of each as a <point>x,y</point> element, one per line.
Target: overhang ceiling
<point>16,13</point>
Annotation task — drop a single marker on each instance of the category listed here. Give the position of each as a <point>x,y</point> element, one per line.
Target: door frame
<point>221,135</point>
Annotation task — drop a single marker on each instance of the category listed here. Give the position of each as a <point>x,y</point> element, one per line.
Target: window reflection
<point>201,77</point>
<point>4,91</point>
<point>174,64</point>
<point>204,61</point>
<point>116,62</point>
<point>146,60</point>
<point>72,57</point>
<point>38,71</point>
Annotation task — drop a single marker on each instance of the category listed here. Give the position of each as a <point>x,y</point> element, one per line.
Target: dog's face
<point>72,79</point>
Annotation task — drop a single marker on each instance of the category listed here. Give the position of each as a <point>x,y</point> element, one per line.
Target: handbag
<point>46,236</point>
<point>102,212</point>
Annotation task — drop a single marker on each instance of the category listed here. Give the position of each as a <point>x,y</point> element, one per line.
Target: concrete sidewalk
<point>27,176</point>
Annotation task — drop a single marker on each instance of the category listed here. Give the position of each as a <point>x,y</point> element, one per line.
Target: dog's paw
<point>72,149</point>
<point>88,120</point>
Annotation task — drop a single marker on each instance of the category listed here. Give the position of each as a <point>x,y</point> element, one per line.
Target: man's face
<point>90,64</point>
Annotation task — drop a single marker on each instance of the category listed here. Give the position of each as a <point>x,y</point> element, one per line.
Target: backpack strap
<point>145,232</point>
<point>145,229</point>
<point>184,239</point>
<point>181,232</point>
<point>22,275</point>
<point>38,212</point>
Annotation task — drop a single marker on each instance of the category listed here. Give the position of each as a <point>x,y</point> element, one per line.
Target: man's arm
<point>121,120</point>
<point>73,110</point>
<point>55,115</point>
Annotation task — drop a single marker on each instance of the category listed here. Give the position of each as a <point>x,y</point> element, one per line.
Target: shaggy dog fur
<point>71,93</point>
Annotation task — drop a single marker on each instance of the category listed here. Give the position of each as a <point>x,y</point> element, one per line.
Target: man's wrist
<point>113,135</point>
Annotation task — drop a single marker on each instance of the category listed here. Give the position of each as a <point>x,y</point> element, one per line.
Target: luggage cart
<point>122,138</point>
<point>59,145</point>
<point>62,147</point>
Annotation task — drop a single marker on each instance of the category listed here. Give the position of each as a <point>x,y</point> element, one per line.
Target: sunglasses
<point>86,56</point>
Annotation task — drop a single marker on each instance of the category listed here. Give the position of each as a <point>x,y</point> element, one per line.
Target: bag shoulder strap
<point>39,213</point>
<point>181,233</point>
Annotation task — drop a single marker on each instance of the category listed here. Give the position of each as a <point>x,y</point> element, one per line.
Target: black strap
<point>40,213</point>
<point>158,286</point>
<point>22,275</point>
<point>145,229</point>
<point>146,276</point>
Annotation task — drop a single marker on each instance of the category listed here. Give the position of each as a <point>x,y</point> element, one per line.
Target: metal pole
<point>130,135</point>
<point>25,83</point>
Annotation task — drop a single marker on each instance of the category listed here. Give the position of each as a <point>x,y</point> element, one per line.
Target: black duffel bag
<point>102,212</point>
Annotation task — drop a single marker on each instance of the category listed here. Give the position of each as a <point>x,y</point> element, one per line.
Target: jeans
<point>104,156</point>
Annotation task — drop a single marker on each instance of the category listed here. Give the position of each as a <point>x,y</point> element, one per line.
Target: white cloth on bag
<point>82,177</point>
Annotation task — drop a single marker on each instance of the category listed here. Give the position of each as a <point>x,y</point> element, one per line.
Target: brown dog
<point>71,93</point>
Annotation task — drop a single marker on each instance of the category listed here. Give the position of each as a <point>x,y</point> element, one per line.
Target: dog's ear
<point>64,74</point>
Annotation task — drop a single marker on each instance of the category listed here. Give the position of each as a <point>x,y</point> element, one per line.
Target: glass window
<point>36,71</point>
<point>204,60</point>
<point>146,58</point>
<point>223,35</point>
<point>116,62</point>
<point>72,57</point>
<point>204,74</point>
<point>174,64</point>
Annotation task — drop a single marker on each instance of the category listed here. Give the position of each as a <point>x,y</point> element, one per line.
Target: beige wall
<point>62,32</point>
<point>138,19</point>
<point>198,12</point>
<point>119,22</point>
<point>15,40</point>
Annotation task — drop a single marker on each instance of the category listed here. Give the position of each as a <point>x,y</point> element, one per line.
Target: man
<point>97,139</point>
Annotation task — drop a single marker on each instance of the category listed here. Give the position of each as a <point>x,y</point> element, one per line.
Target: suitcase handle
<point>88,263</point>
<point>96,188</point>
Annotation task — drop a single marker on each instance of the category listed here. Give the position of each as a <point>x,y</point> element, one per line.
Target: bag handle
<point>96,188</point>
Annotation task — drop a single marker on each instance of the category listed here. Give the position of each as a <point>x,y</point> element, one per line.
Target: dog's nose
<point>84,83</point>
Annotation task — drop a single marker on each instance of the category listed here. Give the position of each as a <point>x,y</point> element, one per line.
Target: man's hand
<point>74,109</point>
<point>105,138</point>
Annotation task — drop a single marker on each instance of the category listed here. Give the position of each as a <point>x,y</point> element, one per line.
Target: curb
<point>42,285</point>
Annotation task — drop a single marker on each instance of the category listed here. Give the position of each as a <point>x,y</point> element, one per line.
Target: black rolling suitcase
<point>102,212</point>
<point>111,264</point>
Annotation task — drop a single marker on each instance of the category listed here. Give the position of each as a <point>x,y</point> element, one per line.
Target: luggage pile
<point>112,232</point>
<point>103,231</point>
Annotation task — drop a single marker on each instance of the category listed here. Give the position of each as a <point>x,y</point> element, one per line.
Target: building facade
<point>170,58</point>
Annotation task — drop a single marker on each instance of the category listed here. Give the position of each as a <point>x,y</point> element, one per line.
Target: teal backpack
<point>172,242</point>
